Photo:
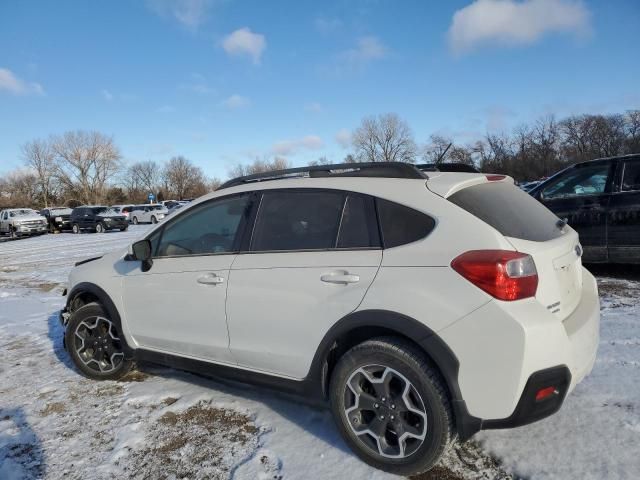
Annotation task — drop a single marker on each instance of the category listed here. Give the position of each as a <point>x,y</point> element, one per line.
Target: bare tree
<point>183,179</point>
<point>259,166</point>
<point>86,161</point>
<point>146,176</point>
<point>386,138</point>
<point>39,156</point>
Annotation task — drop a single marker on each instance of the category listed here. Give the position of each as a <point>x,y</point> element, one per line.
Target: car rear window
<point>509,210</point>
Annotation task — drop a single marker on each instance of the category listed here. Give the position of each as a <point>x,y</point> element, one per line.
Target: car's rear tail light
<point>495,178</point>
<point>503,274</point>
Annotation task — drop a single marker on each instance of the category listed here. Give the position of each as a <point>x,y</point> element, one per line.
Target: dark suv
<point>601,200</point>
<point>97,219</point>
<point>58,218</point>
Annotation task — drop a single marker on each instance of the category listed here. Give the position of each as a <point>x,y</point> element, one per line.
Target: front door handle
<point>340,277</point>
<point>210,279</point>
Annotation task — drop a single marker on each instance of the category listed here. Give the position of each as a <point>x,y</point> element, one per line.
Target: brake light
<point>503,274</point>
<point>495,178</point>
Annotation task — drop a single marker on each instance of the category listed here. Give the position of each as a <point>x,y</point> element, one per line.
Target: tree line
<point>528,152</point>
<point>86,167</point>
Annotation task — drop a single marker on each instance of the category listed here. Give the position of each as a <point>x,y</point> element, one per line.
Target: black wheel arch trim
<point>105,301</point>
<point>433,346</point>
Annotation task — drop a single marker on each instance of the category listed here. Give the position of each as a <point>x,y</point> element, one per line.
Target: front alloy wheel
<point>75,228</point>
<point>99,228</point>
<point>95,344</point>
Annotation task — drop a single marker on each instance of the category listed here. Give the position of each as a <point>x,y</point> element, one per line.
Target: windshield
<point>157,207</point>
<point>24,211</point>
<point>60,211</point>
<point>105,211</point>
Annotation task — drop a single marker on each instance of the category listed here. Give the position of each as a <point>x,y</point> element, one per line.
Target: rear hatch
<point>530,227</point>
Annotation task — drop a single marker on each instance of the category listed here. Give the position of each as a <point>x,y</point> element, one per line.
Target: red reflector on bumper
<point>545,393</point>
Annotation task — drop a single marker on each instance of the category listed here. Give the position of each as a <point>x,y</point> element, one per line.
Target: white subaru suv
<point>420,306</point>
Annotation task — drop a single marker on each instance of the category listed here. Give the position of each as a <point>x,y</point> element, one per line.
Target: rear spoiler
<point>446,184</point>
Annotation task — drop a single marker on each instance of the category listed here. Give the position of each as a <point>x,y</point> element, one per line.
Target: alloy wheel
<point>385,411</point>
<point>98,345</point>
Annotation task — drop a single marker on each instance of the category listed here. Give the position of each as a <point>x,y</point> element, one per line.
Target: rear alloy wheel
<point>75,228</point>
<point>154,219</point>
<point>100,228</point>
<point>391,406</point>
<point>95,344</point>
<point>135,220</point>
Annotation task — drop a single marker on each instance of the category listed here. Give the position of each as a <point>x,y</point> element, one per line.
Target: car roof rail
<point>370,169</point>
<point>447,167</point>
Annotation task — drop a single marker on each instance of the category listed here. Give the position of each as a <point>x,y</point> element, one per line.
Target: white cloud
<point>314,107</point>
<point>107,95</point>
<point>327,25</point>
<point>235,102</point>
<point>189,13</point>
<point>12,84</point>
<point>343,138</point>
<point>511,22</point>
<point>245,42</point>
<point>366,49</point>
<point>289,147</point>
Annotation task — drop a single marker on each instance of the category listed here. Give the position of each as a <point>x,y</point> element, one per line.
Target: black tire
<point>427,394</point>
<point>85,358</point>
<point>154,220</point>
<point>100,227</point>
<point>12,232</point>
<point>125,228</point>
<point>75,228</point>
<point>135,220</point>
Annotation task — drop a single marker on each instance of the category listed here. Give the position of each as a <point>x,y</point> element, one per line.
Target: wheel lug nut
<point>384,399</point>
<point>393,407</point>
<point>392,417</point>
<point>381,417</point>
<point>376,405</point>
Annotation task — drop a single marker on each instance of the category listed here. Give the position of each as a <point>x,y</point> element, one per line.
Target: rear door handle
<point>340,278</point>
<point>210,279</point>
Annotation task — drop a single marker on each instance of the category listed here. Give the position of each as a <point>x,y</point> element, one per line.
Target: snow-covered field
<point>162,423</point>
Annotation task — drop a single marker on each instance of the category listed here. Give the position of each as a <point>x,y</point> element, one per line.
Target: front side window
<point>590,180</point>
<point>631,177</point>
<point>208,229</point>
<point>297,220</point>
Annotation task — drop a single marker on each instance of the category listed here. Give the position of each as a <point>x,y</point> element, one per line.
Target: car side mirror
<point>142,251</point>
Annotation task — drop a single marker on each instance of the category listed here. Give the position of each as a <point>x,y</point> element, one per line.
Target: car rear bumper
<point>502,345</point>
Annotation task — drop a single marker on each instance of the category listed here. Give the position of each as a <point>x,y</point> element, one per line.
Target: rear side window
<point>401,225</point>
<point>293,220</point>
<point>631,177</point>
<point>509,210</point>
<point>358,228</point>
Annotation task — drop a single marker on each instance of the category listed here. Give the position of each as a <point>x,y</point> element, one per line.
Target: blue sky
<point>226,81</point>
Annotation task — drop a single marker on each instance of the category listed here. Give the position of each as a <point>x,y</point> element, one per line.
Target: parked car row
<point>18,222</point>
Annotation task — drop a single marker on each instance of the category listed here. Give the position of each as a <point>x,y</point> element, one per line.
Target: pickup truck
<point>17,222</point>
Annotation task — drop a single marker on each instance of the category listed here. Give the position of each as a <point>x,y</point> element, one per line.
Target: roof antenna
<point>441,157</point>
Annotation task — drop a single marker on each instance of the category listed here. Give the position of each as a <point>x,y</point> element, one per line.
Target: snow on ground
<point>162,423</point>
